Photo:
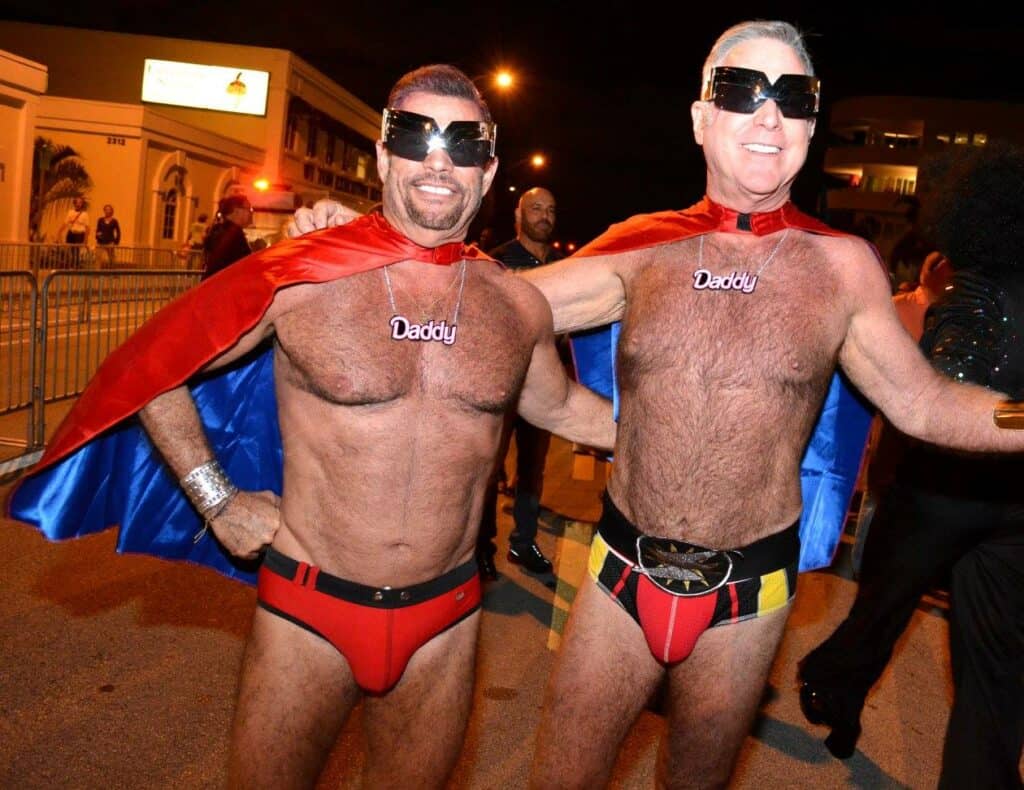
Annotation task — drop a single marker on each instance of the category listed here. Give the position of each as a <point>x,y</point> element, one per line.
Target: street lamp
<point>502,80</point>
<point>536,161</point>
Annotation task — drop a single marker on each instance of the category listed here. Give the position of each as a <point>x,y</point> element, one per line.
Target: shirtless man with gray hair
<point>720,388</point>
<point>734,315</point>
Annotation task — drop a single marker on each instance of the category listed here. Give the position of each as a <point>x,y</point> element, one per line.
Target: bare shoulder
<point>520,292</point>
<point>293,297</point>
<point>859,269</point>
<point>343,293</point>
<point>849,252</point>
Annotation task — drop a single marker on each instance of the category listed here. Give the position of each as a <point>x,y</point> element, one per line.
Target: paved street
<point>118,671</point>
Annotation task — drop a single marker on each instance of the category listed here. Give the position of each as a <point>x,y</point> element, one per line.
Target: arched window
<point>170,214</point>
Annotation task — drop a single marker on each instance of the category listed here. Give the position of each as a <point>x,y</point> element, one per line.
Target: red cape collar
<point>758,223</point>
<point>664,227</point>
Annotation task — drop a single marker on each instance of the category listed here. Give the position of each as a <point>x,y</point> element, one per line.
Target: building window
<point>943,138</point>
<point>890,140</point>
<point>961,138</point>
<point>291,132</point>
<point>351,187</point>
<point>325,141</point>
<point>979,139</point>
<point>325,178</point>
<point>311,142</point>
<point>353,156</point>
<point>170,214</point>
<point>363,167</point>
<point>906,186</point>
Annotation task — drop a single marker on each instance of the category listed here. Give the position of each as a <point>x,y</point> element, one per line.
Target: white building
<point>22,82</point>
<point>138,111</point>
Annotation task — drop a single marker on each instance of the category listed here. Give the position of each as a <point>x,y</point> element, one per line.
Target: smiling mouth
<point>762,148</point>
<point>436,189</point>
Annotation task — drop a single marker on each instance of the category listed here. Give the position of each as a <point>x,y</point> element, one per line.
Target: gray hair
<point>751,31</point>
<point>441,79</point>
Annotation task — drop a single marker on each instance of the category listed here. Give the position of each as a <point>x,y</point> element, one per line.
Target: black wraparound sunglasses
<point>744,90</point>
<point>413,136</point>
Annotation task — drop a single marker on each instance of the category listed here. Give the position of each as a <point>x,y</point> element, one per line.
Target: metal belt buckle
<point>680,568</point>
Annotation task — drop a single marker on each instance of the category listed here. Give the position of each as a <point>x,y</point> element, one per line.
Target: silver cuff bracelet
<point>208,488</point>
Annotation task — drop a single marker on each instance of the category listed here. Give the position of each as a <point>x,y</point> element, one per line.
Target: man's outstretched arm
<point>885,364</point>
<point>554,402</point>
<point>583,292</point>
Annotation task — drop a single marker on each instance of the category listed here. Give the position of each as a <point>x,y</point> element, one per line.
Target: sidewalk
<point>118,671</point>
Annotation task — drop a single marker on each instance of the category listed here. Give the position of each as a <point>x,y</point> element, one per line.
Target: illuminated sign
<point>207,87</point>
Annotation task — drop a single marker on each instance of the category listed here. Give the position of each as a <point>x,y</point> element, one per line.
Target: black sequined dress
<point>954,520</point>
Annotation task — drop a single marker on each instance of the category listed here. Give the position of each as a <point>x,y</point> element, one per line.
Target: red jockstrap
<point>377,630</point>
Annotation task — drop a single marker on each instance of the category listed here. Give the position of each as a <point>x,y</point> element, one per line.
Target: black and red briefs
<point>376,629</point>
<point>674,603</point>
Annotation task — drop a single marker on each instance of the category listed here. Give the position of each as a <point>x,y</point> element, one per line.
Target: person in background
<point>108,236</point>
<point>888,445</point>
<point>909,250</point>
<point>226,242</point>
<point>486,238</point>
<point>197,232</point>
<point>951,518</point>
<point>75,230</point>
<point>531,247</point>
<point>912,303</point>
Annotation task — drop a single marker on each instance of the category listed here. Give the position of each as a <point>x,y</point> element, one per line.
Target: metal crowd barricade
<point>39,257</point>
<point>53,337</point>
<point>19,299</point>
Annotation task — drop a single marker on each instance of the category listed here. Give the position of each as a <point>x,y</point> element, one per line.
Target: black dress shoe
<point>530,557</point>
<point>485,563</point>
<point>836,709</point>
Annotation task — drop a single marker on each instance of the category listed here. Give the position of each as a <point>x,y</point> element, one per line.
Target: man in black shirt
<point>535,223</point>
<point>226,242</point>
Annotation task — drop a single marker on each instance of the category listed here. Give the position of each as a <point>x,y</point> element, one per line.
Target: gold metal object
<point>1009,414</point>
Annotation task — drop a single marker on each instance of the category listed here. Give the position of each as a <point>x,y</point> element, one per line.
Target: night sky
<point>605,96</point>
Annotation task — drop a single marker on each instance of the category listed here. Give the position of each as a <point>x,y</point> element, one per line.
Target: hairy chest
<point>733,315</point>
<point>344,346</point>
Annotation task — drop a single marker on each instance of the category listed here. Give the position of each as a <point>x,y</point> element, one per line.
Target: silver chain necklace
<point>745,282</point>
<point>440,331</point>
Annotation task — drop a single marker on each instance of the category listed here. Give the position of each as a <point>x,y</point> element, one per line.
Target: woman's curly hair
<point>974,212</point>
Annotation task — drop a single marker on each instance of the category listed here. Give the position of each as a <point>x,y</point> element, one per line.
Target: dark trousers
<point>531,452</point>
<point>917,540</point>
<point>986,636</point>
